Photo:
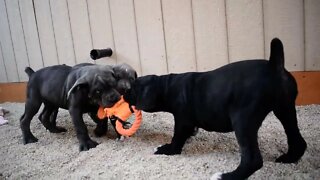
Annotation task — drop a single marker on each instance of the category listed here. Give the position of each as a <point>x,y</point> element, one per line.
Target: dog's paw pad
<point>216,176</point>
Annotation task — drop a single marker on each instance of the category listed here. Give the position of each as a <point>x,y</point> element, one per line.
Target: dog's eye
<point>98,92</point>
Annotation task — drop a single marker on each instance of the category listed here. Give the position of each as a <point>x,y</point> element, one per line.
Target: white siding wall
<point>17,36</point>
<point>125,32</point>
<point>156,36</point>
<point>245,29</point>
<point>210,30</point>
<point>284,19</point>
<point>43,20</point>
<point>8,57</point>
<point>312,35</point>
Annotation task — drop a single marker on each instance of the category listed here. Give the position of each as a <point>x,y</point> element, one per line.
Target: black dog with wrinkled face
<point>79,89</point>
<point>124,74</point>
<point>236,97</point>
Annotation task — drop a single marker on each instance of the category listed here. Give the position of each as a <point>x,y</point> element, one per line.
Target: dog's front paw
<point>287,158</point>
<point>294,153</point>
<point>29,139</point>
<point>167,150</point>
<point>86,145</point>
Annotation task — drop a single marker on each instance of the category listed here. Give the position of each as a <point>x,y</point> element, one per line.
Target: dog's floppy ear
<point>82,80</point>
<point>99,79</point>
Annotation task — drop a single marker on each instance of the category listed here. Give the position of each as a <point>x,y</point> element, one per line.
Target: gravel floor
<point>56,156</point>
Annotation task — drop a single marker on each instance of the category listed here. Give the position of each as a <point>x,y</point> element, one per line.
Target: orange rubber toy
<point>122,111</point>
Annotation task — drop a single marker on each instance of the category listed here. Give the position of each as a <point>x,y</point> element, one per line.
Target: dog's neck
<point>168,91</point>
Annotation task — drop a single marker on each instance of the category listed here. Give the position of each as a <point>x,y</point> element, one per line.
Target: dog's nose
<point>123,86</point>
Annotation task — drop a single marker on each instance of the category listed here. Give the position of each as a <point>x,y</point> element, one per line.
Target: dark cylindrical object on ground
<point>100,53</point>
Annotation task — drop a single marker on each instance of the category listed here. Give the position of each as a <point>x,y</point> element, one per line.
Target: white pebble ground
<point>56,156</point>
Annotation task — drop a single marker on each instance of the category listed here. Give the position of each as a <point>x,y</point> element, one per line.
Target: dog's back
<point>48,82</point>
<point>260,84</point>
<point>236,97</point>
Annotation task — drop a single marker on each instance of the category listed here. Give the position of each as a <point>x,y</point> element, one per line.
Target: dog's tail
<point>29,71</point>
<point>276,54</point>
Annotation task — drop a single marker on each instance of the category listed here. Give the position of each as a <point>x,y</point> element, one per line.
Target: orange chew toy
<point>122,111</point>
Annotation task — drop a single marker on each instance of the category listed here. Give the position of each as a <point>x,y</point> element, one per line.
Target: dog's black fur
<point>124,74</point>
<point>80,89</point>
<point>236,97</point>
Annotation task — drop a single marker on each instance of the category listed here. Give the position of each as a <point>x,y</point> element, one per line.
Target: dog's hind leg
<point>31,108</point>
<point>48,118</point>
<point>53,122</point>
<point>44,116</point>
<point>286,113</point>
<point>246,126</point>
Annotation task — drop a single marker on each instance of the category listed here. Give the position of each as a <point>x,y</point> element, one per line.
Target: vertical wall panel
<point>46,32</point>
<point>3,73</point>
<point>178,26</point>
<point>101,28</point>
<point>6,45</point>
<point>245,29</point>
<point>62,32</point>
<point>18,40</point>
<point>158,36</point>
<point>31,34</point>
<point>151,37</point>
<point>210,34</point>
<point>125,35</point>
<point>80,27</point>
<point>312,35</point>
<point>284,19</point>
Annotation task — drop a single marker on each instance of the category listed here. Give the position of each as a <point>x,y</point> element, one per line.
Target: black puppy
<point>79,89</point>
<point>236,97</point>
<point>125,76</point>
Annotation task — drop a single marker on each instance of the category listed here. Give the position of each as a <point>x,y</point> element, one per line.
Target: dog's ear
<point>82,80</point>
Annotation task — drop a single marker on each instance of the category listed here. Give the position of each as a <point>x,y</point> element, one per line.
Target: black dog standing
<point>236,97</point>
<point>80,89</point>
